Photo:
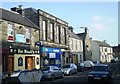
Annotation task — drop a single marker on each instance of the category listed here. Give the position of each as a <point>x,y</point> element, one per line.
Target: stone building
<point>18,43</point>
<point>76,47</point>
<point>54,36</point>
<point>116,52</point>
<point>86,40</point>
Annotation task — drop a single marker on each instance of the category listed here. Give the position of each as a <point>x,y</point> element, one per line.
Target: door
<point>29,63</point>
<point>10,64</point>
<point>52,61</point>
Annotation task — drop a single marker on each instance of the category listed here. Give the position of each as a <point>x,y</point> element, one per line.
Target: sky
<point>101,18</point>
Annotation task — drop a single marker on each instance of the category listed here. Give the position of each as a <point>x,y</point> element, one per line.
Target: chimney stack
<point>71,28</point>
<point>86,30</point>
<point>18,9</point>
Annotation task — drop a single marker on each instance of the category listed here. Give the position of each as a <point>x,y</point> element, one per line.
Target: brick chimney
<point>71,28</point>
<point>18,9</point>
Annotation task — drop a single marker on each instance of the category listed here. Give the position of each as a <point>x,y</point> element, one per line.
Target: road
<point>82,77</point>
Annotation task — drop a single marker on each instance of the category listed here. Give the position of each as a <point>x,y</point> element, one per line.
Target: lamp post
<point>38,43</point>
<point>84,44</point>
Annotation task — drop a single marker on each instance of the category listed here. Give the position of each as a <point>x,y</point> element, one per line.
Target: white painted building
<point>76,47</point>
<point>101,51</point>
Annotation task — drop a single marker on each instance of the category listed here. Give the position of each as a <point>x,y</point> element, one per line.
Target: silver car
<point>51,72</point>
<point>69,69</point>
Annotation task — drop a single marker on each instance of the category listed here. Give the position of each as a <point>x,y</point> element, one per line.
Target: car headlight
<point>65,70</point>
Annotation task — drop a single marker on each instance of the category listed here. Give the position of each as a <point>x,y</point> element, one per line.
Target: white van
<point>88,64</point>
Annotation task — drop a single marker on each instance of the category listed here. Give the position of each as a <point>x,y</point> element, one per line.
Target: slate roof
<point>35,10</point>
<point>81,35</point>
<point>102,43</point>
<point>16,18</point>
<point>73,35</point>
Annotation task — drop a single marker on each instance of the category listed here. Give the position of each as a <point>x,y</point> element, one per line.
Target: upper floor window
<point>27,35</point>
<point>71,45</point>
<point>105,49</point>
<point>57,33</point>
<point>51,31</point>
<point>44,30</point>
<point>76,45</point>
<point>63,35</point>
<point>10,33</point>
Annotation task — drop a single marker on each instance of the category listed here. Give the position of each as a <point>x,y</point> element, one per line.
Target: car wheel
<point>70,73</point>
<point>52,77</point>
<point>76,72</point>
<point>89,81</point>
<point>82,69</point>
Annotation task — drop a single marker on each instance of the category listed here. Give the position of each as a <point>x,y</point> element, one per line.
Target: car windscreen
<point>45,68</point>
<point>99,68</point>
<point>66,66</point>
<point>81,64</point>
<point>94,62</point>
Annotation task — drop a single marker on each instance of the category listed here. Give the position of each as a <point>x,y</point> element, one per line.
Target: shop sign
<point>28,51</point>
<point>55,50</point>
<point>20,51</point>
<point>20,38</point>
<point>52,55</point>
<point>38,43</point>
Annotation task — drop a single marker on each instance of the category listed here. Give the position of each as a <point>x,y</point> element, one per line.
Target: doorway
<point>29,62</point>
<point>10,64</point>
<point>52,61</point>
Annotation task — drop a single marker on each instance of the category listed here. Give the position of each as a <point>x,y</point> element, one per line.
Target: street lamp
<point>83,27</point>
<point>84,44</point>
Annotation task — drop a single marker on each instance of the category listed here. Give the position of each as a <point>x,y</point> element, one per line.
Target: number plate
<point>97,78</point>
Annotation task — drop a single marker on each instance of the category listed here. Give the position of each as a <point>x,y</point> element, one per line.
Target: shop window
<point>37,60</point>
<point>46,62</point>
<point>20,61</point>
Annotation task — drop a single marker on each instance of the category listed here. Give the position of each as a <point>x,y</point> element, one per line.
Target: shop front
<point>50,56</point>
<point>21,59</point>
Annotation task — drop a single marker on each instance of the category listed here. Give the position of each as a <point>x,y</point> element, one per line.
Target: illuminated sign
<point>52,55</point>
<point>20,38</point>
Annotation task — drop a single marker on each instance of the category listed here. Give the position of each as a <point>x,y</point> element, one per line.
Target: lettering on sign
<point>55,50</point>
<point>20,51</point>
<point>52,55</point>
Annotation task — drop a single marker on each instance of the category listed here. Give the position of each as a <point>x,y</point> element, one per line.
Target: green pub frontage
<point>50,56</point>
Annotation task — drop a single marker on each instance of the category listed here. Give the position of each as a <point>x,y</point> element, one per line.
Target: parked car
<point>69,69</point>
<point>112,60</point>
<point>100,72</point>
<point>88,64</point>
<point>51,72</point>
<point>80,67</point>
